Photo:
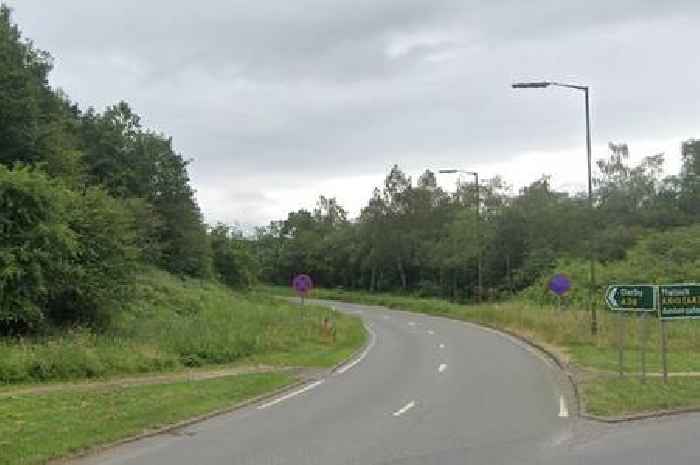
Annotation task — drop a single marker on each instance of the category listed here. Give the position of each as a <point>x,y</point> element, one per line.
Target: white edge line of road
<point>405,409</point>
<point>563,410</point>
<point>373,340</point>
<point>292,394</point>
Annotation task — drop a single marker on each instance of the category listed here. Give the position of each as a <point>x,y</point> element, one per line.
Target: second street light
<point>542,85</point>
<point>478,221</point>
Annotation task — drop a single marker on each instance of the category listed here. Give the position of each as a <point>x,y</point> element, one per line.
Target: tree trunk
<point>402,274</point>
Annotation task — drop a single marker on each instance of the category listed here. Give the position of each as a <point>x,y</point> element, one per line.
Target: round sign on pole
<point>302,284</point>
<point>560,284</point>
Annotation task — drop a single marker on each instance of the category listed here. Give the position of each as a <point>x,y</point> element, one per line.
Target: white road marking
<point>386,317</point>
<point>443,367</point>
<point>405,409</point>
<point>442,346</point>
<point>411,323</point>
<point>292,394</point>
<point>431,332</point>
<point>563,411</point>
<point>373,340</point>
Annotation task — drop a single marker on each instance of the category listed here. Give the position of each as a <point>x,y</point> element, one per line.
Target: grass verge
<point>171,324</point>
<point>568,333</point>
<point>613,396</point>
<point>37,428</point>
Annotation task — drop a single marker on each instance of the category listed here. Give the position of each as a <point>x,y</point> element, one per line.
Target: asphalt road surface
<point>426,390</point>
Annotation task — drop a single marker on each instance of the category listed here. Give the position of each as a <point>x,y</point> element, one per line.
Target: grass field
<point>36,428</point>
<point>568,332</point>
<point>172,324</point>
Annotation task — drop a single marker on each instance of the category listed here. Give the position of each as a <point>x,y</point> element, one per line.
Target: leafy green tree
<point>233,260</point>
<point>65,257</point>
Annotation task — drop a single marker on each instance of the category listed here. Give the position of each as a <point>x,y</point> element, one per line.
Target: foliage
<point>171,323</point>
<point>64,257</point>
<point>658,258</point>
<point>416,237</point>
<point>233,259</point>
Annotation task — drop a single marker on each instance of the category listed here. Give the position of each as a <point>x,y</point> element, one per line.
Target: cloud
<point>271,97</point>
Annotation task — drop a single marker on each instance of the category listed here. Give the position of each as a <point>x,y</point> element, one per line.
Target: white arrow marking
<point>431,332</point>
<point>443,367</point>
<point>411,323</point>
<point>404,409</point>
<point>611,297</point>
<point>442,346</point>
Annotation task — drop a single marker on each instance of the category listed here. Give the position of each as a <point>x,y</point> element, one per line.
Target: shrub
<point>64,256</point>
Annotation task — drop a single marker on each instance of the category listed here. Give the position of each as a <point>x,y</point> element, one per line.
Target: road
<point>426,390</point>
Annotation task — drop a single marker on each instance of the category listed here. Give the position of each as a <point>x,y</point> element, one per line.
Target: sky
<point>278,102</point>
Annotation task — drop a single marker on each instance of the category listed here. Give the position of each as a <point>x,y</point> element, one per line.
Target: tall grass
<point>172,323</point>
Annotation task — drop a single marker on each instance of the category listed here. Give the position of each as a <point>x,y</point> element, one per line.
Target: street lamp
<point>544,84</point>
<point>478,221</point>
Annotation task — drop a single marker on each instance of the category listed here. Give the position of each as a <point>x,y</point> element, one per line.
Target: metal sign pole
<point>663,350</point>
<point>643,344</point>
<point>620,343</point>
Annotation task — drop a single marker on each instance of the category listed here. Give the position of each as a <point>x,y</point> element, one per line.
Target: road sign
<point>302,284</point>
<point>632,298</point>
<point>560,284</point>
<point>680,301</point>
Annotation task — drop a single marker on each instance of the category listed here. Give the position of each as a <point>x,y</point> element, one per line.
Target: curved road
<point>427,390</point>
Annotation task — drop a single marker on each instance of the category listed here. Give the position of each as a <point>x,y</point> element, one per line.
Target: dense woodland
<point>87,199</point>
<point>416,237</point>
<point>90,198</point>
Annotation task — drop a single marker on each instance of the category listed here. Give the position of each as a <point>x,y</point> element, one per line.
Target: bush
<point>64,257</point>
<point>659,258</point>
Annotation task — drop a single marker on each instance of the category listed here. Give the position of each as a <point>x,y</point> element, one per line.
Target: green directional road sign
<point>680,301</point>
<point>631,298</point>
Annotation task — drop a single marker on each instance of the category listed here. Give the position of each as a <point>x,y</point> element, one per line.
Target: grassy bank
<point>173,324</point>
<point>37,428</point>
<point>169,325</point>
<point>568,332</point>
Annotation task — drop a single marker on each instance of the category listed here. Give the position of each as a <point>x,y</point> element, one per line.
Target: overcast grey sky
<point>280,101</point>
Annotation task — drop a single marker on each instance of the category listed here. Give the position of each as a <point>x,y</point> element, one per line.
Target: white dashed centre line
<point>405,409</point>
<point>563,411</point>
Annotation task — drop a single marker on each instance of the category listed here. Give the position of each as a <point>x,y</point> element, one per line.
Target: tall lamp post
<point>478,221</point>
<point>542,85</point>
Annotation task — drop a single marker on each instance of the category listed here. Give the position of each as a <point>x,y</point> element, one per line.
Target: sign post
<point>620,343</point>
<point>302,284</point>
<point>632,299</point>
<point>643,336</point>
<point>664,360</point>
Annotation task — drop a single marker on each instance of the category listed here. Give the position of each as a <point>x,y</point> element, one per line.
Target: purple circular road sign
<point>560,284</point>
<point>302,284</point>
